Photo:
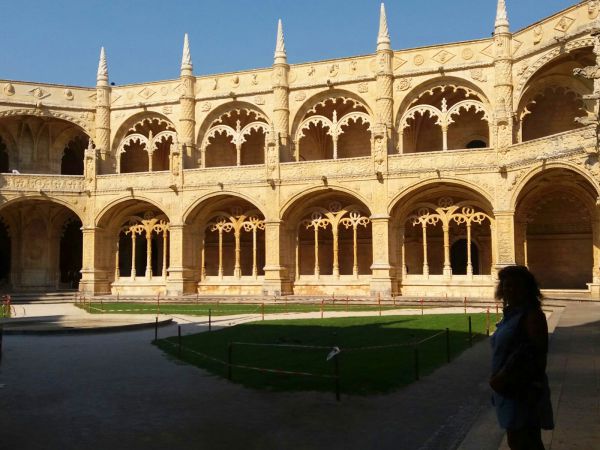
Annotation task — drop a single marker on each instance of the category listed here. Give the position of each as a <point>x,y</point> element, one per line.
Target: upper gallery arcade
<point>407,172</point>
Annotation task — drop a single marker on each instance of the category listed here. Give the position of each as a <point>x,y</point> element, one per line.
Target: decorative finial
<point>102,77</point>
<point>280,55</point>
<point>186,60</point>
<point>383,38</point>
<point>502,16</point>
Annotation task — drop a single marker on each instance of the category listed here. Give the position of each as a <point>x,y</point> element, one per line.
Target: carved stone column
<point>276,281</point>
<point>281,101</point>
<point>381,279</point>
<point>93,280</point>
<point>180,277</point>
<point>385,77</point>
<point>503,237</point>
<point>187,107</point>
<point>503,87</point>
<point>102,139</point>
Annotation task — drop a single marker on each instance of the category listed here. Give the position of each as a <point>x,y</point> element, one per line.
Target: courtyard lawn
<point>223,309</point>
<point>362,370</point>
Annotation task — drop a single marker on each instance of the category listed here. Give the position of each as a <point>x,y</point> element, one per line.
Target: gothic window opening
<point>147,146</point>
<point>334,128</point>
<point>236,138</point>
<point>555,229</point>
<point>444,118</point>
<point>143,247</point>
<point>73,154</point>
<point>234,245</point>
<point>554,99</point>
<point>5,255</point>
<point>4,161</point>
<point>429,231</point>
<point>334,241</point>
<point>71,254</point>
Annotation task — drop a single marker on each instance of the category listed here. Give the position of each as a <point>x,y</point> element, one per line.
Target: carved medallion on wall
<point>205,107</point>
<point>403,84</point>
<point>311,71</point>
<point>167,109</point>
<point>146,93</point>
<point>165,90</point>
<point>418,60</point>
<point>213,83</point>
<point>39,93</point>
<point>593,9</point>
<point>538,35</point>
<point>235,81</point>
<point>443,56</point>
<point>333,70</point>
<point>254,79</point>
<point>299,96</point>
<point>478,75</point>
<point>68,94</point>
<point>9,89</point>
<point>467,54</point>
<point>259,100</point>
<point>363,87</point>
<point>564,24</point>
<point>352,67</point>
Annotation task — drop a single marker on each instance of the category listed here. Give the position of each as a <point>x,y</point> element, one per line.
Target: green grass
<point>222,309</point>
<point>362,371</point>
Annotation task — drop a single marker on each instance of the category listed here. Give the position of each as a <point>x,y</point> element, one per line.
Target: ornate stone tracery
<point>155,137</point>
<point>444,213</point>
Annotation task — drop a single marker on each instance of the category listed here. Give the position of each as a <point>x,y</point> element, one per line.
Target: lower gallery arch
<point>132,248</point>
<point>555,229</point>
<point>227,235</point>
<point>442,243</point>
<point>327,245</point>
<point>41,246</point>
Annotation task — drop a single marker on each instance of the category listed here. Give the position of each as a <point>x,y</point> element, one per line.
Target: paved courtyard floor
<point>116,391</point>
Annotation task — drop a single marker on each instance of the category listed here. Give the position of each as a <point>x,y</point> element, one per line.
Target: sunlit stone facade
<point>407,172</point>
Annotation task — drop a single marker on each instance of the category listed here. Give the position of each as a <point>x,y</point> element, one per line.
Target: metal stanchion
<point>448,344</point>
<point>179,338</point>
<point>470,333</point>
<point>210,319</point>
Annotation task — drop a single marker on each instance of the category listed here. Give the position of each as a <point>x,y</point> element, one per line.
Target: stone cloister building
<point>409,172</point>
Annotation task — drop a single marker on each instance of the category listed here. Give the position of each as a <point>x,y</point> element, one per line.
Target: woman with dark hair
<point>520,349</point>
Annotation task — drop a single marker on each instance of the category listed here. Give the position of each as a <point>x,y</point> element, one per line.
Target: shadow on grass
<point>362,371</point>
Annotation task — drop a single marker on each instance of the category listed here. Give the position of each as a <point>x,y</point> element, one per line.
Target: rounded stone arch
<point>547,58</point>
<point>125,126</point>
<point>224,108</point>
<point>555,226</point>
<point>43,198</point>
<point>544,167</point>
<point>148,147</point>
<point>486,200</point>
<point>416,92</point>
<point>10,147</point>
<point>310,102</point>
<point>325,190</point>
<point>549,97</point>
<point>443,113</point>
<point>126,204</point>
<point>192,210</point>
<point>84,126</point>
<point>234,133</point>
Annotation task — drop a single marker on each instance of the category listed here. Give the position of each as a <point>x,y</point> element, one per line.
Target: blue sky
<point>58,41</point>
